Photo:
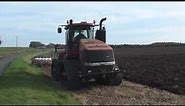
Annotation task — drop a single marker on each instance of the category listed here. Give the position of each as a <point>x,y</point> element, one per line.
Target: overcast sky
<point>127,22</point>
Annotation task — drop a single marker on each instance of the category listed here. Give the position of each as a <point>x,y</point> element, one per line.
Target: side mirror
<point>59,30</point>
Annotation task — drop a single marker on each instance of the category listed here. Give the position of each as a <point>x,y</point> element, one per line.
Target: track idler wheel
<point>116,80</point>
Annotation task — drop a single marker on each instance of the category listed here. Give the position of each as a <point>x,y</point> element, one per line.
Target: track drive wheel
<point>73,81</point>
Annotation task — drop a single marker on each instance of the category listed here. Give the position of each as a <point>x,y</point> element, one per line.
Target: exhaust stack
<point>103,19</point>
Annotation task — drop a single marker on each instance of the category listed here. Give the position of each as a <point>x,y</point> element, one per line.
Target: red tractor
<point>86,56</point>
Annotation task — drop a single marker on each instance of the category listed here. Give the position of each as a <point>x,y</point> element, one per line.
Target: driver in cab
<point>79,36</point>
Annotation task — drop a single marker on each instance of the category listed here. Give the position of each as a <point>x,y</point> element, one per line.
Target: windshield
<point>87,32</point>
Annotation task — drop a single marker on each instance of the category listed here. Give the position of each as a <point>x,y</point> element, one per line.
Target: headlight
<point>115,68</point>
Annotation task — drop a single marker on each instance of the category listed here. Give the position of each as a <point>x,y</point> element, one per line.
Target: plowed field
<point>151,76</point>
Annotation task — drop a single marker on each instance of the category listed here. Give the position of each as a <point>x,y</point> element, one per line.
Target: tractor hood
<point>93,45</point>
<point>92,51</point>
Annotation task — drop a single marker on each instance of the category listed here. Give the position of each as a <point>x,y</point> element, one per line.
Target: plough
<point>42,61</point>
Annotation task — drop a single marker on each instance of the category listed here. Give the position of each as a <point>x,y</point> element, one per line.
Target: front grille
<point>98,69</point>
<point>98,56</point>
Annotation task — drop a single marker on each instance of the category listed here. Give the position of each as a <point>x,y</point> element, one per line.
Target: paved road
<point>4,62</point>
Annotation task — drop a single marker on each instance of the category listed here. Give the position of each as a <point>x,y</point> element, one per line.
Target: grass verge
<point>13,50</point>
<point>23,83</point>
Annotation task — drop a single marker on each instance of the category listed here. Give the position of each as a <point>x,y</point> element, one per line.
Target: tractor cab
<point>77,31</point>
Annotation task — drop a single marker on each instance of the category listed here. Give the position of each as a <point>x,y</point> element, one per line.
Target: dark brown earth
<point>162,68</point>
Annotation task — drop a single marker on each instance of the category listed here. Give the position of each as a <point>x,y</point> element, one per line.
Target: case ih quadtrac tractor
<point>86,56</point>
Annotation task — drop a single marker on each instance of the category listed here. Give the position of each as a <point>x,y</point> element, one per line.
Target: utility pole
<point>18,52</point>
<point>16,42</point>
<point>0,40</point>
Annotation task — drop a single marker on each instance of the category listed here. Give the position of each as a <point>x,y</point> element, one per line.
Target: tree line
<point>156,44</point>
<point>39,45</point>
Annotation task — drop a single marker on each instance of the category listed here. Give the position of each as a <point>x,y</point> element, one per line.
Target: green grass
<point>23,83</point>
<point>13,50</point>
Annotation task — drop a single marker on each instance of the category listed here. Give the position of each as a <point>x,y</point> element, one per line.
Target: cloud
<point>150,35</point>
<point>136,22</point>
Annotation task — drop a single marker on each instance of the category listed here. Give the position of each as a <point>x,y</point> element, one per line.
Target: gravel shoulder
<point>4,62</point>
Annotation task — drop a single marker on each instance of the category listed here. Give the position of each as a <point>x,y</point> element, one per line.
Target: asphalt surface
<point>4,62</point>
